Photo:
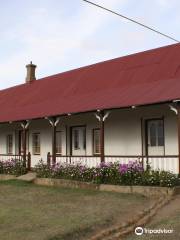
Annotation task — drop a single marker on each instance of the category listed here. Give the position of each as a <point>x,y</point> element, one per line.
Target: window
<point>36,143</point>
<point>76,139</point>
<point>9,144</point>
<point>59,142</point>
<point>79,138</point>
<point>156,133</point>
<point>96,141</point>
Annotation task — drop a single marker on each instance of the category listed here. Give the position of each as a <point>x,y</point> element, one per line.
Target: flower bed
<point>12,166</point>
<point>109,173</point>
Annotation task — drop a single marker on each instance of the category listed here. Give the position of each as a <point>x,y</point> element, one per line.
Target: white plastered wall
<point>122,132</point>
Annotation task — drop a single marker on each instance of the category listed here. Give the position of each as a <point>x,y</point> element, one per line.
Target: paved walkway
<point>29,177</point>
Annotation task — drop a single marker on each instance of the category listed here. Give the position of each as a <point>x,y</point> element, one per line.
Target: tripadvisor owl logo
<point>138,231</point>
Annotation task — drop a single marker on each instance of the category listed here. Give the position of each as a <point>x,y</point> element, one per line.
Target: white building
<point>118,110</point>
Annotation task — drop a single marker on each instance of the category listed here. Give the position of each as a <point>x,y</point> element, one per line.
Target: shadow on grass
<point>15,182</point>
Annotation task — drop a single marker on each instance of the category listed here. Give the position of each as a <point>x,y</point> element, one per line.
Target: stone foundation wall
<point>147,191</point>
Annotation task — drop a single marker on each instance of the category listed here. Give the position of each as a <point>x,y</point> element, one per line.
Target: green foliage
<point>12,166</point>
<point>109,173</point>
<point>160,178</point>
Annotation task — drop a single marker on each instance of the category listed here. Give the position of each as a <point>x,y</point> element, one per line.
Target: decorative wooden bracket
<point>101,116</point>
<point>25,124</point>
<point>53,121</point>
<point>172,108</point>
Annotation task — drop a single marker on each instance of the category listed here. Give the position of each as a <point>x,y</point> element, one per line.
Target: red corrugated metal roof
<point>143,78</point>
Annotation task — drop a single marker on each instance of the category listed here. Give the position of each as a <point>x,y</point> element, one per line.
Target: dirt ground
<point>167,218</point>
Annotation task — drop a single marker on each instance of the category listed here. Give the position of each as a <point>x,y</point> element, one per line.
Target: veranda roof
<point>144,78</point>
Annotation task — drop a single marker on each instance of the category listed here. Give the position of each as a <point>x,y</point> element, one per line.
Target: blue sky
<point>58,35</point>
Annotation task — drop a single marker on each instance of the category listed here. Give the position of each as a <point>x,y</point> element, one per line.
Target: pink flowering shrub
<point>12,166</point>
<point>108,173</point>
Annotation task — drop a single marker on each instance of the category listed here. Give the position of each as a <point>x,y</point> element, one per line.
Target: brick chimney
<point>30,77</point>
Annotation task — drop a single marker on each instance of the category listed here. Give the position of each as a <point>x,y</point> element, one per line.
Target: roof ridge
<point>90,65</point>
<point>109,60</point>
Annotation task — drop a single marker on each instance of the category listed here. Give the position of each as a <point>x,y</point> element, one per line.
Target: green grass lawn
<point>31,212</point>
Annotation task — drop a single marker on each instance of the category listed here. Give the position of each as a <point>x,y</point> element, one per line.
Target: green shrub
<point>109,173</point>
<point>12,166</point>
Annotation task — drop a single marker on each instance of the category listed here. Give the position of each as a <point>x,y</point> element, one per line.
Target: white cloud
<point>56,41</point>
<point>164,3</point>
<point>46,40</point>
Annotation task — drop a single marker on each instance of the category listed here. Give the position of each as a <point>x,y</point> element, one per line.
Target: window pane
<point>152,133</point>
<point>96,141</point>
<point>153,130</point>
<point>59,142</point>
<point>76,139</point>
<point>153,141</point>
<point>160,134</point>
<point>9,144</point>
<point>160,141</point>
<point>36,143</point>
<point>156,133</point>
